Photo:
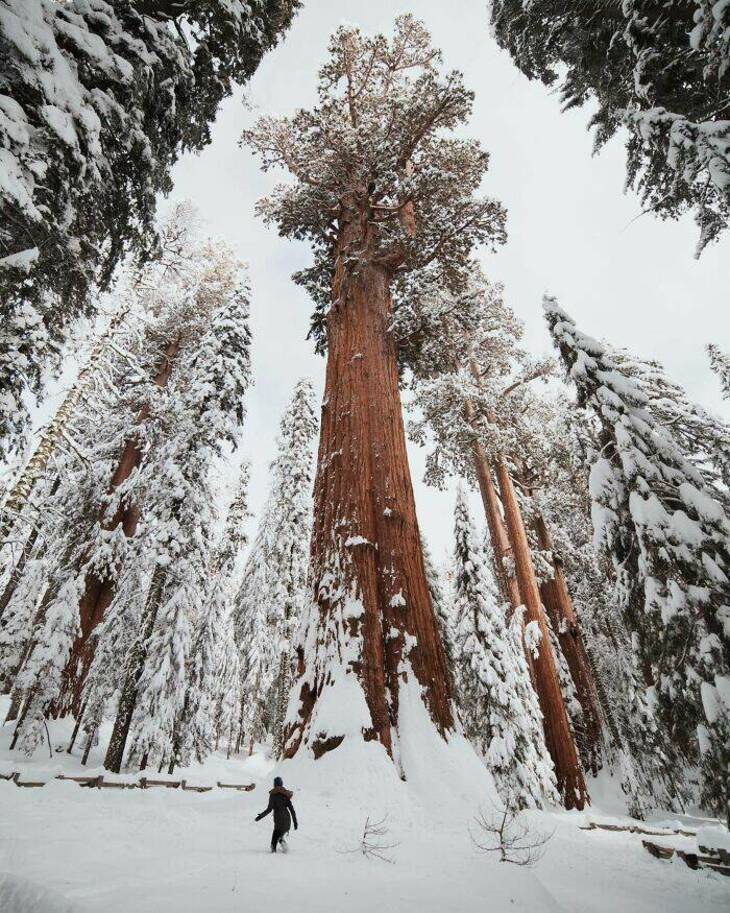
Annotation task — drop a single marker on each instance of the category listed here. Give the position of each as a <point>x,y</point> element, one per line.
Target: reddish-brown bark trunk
<point>559,607</point>
<point>495,522</point>
<point>558,735</point>
<point>365,518</point>
<point>99,591</point>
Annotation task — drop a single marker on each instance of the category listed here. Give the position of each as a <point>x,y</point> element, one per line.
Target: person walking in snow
<point>280,805</point>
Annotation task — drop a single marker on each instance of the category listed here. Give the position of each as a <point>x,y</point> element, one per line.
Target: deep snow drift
<point>67,848</point>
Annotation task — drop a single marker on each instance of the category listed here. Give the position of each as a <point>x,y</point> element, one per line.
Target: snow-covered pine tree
<point>41,622</point>
<point>668,539</point>
<point>62,513</point>
<point>704,438</point>
<point>51,436</point>
<point>209,667</point>
<point>442,607</point>
<point>197,413</point>
<point>381,188</point>
<point>661,70</point>
<point>275,589</point>
<point>100,97</point>
<point>499,707</point>
<point>595,635</point>
<point>720,364</point>
<point>254,641</point>
<point>164,295</point>
<point>468,379</point>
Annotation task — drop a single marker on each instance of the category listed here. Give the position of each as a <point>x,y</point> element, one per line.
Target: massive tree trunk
<point>99,590</point>
<point>559,606</point>
<point>558,735</point>
<point>374,611</point>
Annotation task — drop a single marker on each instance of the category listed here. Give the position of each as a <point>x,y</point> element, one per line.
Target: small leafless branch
<point>505,833</point>
<point>375,841</point>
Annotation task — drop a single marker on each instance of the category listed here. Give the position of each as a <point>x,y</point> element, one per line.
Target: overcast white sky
<point>571,229</point>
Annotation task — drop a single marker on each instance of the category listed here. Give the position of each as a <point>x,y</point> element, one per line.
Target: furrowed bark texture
<point>558,735</point>
<point>559,606</point>
<point>99,591</point>
<point>365,518</point>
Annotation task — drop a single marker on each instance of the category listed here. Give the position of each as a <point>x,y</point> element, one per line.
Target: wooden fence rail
<point>144,783</point>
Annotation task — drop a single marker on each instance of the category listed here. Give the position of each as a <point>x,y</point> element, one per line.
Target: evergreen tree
<point>720,364</point>
<point>100,98</point>
<point>275,588</point>
<point>470,380</point>
<point>200,410</point>
<point>442,607</point>
<point>499,707</point>
<point>381,189</point>
<point>210,671</point>
<point>667,538</point>
<point>558,465</point>
<point>658,69</point>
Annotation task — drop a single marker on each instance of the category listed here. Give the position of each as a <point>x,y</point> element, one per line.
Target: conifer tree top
<point>377,178</point>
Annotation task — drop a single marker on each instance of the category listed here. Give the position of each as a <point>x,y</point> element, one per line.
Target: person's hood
<point>281,791</point>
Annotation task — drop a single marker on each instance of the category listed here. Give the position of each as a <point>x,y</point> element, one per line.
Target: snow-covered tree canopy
<point>376,176</point>
<point>463,349</point>
<point>661,69</point>
<point>97,100</point>
<point>668,539</point>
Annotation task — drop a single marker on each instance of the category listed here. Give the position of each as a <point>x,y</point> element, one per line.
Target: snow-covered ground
<point>64,848</point>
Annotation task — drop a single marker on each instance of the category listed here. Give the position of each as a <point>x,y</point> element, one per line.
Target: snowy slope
<point>160,850</point>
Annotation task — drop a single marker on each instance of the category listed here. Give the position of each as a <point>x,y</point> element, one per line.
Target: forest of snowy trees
<point>581,623</point>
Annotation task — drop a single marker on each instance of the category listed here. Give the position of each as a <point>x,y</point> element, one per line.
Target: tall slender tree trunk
<point>495,522</point>
<point>365,543</point>
<point>558,735</point>
<point>99,590</point>
<point>21,489</point>
<point>559,606</point>
<point>128,698</point>
<point>27,550</point>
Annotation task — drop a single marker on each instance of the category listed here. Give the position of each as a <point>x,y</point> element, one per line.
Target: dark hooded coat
<point>280,805</point>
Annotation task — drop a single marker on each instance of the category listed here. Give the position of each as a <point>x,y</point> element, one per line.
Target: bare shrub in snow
<point>510,834</point>
<point>375,842</point>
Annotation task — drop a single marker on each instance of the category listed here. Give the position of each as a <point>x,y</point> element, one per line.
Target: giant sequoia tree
<point>98,98</point>
<point>660,69</point>
<point>469,377</point>
<point>381,189</point>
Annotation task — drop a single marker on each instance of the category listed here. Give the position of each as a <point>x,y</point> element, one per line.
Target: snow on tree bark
<point>497,701</point>
<point>367,566</point>
<point>99,589</point>
<point>380,191</point>
<point>558,735</point>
